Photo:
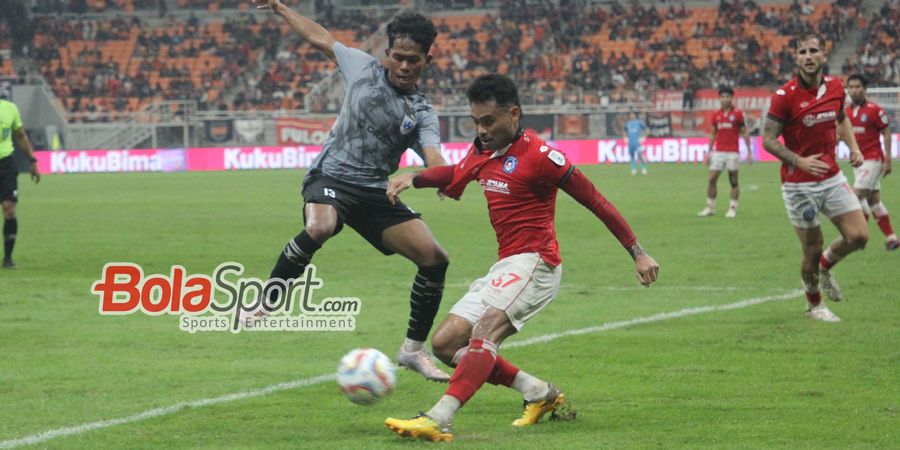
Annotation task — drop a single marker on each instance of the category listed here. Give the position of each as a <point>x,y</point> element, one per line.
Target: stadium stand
<point>226,57</point>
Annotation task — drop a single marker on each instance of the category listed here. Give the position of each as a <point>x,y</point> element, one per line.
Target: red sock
<point>826,264</point>
<point>884,222</point>
<point>504,373</point>
<point>814,298</point>
<point>473,370</point>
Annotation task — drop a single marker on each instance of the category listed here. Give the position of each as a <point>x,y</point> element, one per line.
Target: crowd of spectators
<point>570,51</point>
<point>878,55</point>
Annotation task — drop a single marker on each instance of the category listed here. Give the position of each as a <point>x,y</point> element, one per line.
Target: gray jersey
<point>376,124</point>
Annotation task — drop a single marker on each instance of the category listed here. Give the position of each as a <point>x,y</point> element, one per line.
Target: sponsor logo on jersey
<point>810,119</point>
<point>804,104</point>
<point>501,187</point>
<point>726,125</point>
<point>407,125</point>
<point>859,130</point>
<point>510,164</point>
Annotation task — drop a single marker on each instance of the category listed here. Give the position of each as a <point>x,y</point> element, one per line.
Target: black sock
<point>425,299</point>
<point>293,260</point>
<point>10,228</point>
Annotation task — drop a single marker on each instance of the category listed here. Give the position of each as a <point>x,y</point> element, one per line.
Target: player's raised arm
<point>583,191</point>
<point>308,29</point>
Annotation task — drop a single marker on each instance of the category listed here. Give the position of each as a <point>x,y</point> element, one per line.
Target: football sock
<point>711,203</point>
<point>733,204</point>
<point>884,222</point>
<point>425,299</point>
<point>531,387</point>
<point>442,412</point>
<point>813,297</point>
<point>10,228</point>
<point>473,370</point>
<point>504,373</point>
<point>410,345</point>
<point>828,259</point>
<point>292,261</point>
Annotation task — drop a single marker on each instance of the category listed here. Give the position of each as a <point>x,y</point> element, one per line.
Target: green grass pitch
<point>761,376</point>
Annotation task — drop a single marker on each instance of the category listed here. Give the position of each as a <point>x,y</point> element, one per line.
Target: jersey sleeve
<point>553,166</point>
<point>350,61</point>
<point>429,130</point>
<point>779,108</point>
<point>883,120</point>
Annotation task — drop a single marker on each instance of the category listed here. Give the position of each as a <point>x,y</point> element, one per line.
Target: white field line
<point>181,406</point>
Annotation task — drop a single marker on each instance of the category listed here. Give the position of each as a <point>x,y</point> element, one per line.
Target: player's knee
<point>444,347</point>
<point>733,179</point>
<point>439,256</point>
<point>858,239</point>
<point>9,210</point>
<point>320,230</point>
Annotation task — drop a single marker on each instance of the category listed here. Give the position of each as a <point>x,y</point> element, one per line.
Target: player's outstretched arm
<point>308,29</point>
<point>845,132</point>
<point>811,165</point>
<point>436,177</point>
<point>583,191</point>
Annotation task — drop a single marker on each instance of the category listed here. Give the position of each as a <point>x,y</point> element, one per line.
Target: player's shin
<point>472,372</point>
<point>10,228</point>
<point>292,261</point>
<point>424,301</point>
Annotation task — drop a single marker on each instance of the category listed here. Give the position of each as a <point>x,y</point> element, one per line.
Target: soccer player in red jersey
<point>724,151</point>
<point>806,111</point>
<point>870,124</point>
<point>520,175</point>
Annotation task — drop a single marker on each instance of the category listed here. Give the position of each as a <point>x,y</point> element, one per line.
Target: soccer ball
<point>366,376</point>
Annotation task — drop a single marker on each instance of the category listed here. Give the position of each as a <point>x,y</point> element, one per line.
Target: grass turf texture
<point>762,376</point>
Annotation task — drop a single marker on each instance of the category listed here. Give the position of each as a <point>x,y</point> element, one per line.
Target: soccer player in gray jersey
<point>382,115</point>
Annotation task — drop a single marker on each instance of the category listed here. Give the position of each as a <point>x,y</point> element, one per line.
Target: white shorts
<point>521,285</point>
<point>721,160</point>
<point>804,201</point>
<point>868,175</point>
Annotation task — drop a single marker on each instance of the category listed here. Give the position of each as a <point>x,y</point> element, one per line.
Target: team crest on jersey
<point>804,104</point>
<point>510,164</point>
<point>409,122</point>
<point>863,118</point>
<point>731,117</point>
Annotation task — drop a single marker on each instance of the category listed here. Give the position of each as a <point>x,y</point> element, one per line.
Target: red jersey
<point>809,116</point>
<point>868,120</point>
<point>728,129</point>
<point>520,186</point>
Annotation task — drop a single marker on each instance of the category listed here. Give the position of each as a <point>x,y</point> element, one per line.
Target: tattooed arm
<point>811,164</point>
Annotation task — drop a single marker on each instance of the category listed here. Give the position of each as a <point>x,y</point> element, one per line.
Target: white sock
<point>531,387</point>
<point>830,256</point>
<point>442,412</point>
<point>733,204</point>
<point>410,345</point>
<point>711,203</point>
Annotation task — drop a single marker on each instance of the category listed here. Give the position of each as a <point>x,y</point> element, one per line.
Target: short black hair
<point>499,88</point>
<point>862,80</point>
<point>414,26</point>
<point>811,35</point>
<point>726,90</point>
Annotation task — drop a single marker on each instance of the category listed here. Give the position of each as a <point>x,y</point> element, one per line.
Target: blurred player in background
<point>11,128</point>
<point>724,151</point>
<point>383,114</point>
<point>806,111</point>
<point>520,175</point>
<point>635,132</point>
<point>870,126</point>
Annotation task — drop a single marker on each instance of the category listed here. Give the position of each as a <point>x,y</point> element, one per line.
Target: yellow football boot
<point>421,427</point>
<point>534,410</point>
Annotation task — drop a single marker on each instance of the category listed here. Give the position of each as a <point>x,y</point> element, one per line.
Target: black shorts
<point>9,180</point>
<point>366,210</point>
